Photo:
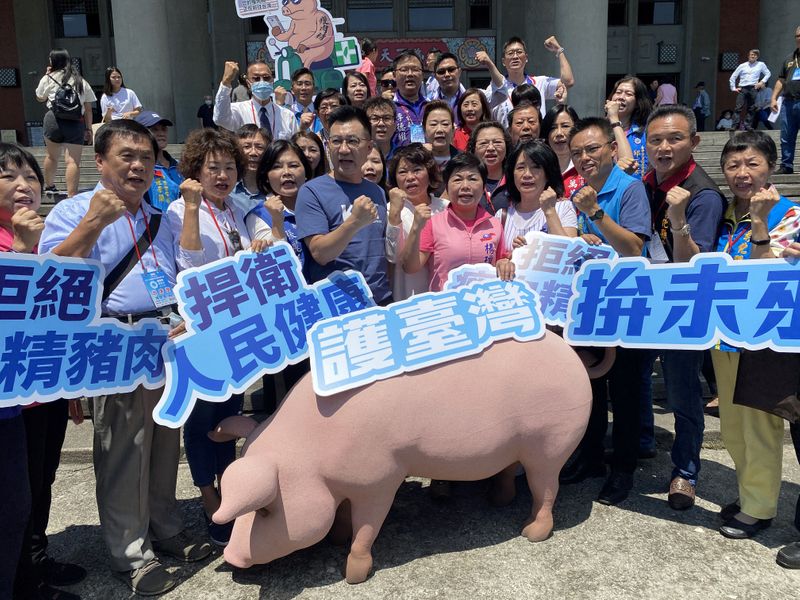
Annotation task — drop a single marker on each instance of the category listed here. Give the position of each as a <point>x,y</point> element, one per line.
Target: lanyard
<point>221,235</point>
<point>149,237</point>
<point>257,121</point>
<point>731,240</point>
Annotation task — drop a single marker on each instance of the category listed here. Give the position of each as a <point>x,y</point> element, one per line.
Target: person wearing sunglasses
<point>448,76</point>
<point>387,84</point>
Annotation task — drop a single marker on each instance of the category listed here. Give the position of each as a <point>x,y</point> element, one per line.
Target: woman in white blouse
<point>117,101</point>
<point>207,226</point>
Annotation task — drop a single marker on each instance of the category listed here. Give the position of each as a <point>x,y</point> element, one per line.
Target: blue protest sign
<point>246,315</point>
<point>547,264</point>
<point>54,343</point>
<point>751,304</point>
<point>427,329</point>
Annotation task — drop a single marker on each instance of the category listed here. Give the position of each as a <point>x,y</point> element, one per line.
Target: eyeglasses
<point>388,83</point>
<point>350,142</point>
<point>327,107</point>
<point>588,150</point>
<point>486,143</point>
<point>409,70</point>
<point>515,52</point>
<point>377,119</point>
<point>446,70</point>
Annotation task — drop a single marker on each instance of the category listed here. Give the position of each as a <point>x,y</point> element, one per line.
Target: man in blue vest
<point>614,210</point>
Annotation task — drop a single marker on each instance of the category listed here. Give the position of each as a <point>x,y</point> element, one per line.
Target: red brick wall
<point>11,110</point>
<point>738,32</point>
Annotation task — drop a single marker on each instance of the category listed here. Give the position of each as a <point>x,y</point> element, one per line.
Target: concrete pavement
<point>466,549</point>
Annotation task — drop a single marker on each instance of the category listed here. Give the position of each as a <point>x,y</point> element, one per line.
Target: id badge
<point>656,249</point>
<point>159,288</point>
<point>417,134</point>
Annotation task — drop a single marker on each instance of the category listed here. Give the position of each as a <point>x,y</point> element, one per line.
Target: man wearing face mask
<point>259,110</point>
<point>205,114</point>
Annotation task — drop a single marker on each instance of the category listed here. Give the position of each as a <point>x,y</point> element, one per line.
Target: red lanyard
<point>221,235</point>
<point>732,242</point>
<point>149,237</point>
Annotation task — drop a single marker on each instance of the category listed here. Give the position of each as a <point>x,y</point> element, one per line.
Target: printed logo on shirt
<point>487,236</point>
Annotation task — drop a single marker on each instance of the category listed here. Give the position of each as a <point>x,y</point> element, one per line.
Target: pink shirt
<point>6,239</point>
<point>368,69</point>
<point>452,242</point>
<point>669,95</point>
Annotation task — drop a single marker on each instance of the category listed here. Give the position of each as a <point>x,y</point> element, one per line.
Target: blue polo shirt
<point>322,206</point>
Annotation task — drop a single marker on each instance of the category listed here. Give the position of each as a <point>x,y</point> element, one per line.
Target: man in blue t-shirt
<point>341,218</point>
<point>614,209</point>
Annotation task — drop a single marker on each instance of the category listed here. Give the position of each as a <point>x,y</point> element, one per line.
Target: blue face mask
<point>261,89</point>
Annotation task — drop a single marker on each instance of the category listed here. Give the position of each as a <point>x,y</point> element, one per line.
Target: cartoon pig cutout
<point>311,32</point>
<point>463,420</point>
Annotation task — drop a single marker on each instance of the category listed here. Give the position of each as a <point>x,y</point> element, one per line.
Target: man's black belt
<point>162,314</point>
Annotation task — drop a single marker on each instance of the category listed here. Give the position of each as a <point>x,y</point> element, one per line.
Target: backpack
<point>66,103</point>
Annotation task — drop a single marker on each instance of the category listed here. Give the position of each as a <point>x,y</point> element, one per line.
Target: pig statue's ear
<point>248,484</point>
<point>233,428</point>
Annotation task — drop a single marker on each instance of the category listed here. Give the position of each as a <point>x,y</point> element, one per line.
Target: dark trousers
<point>625,384</point>
<point>700,118</point>
<point>45,427</point>
<point>745,107</point>
<point>15,499</point>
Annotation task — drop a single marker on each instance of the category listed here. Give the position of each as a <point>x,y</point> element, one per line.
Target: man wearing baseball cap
<point>166,179</point>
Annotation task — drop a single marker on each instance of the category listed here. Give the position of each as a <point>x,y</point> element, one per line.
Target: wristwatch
<point>682,231</point>
<point>599,214</point>
<point>616,124</point>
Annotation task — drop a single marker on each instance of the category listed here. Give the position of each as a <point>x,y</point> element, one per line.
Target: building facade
<point>172,52</point>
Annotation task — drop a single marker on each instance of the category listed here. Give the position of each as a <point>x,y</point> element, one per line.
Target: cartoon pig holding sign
<point>311,32</point>
<point>343,457</point>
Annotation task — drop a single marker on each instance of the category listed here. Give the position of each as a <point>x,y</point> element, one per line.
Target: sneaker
<point>150,580</point>
<point>58,574</point>
<point>784,171</point>
<point>220,534</point>
<point>681,494</point>
<point>183,548</point>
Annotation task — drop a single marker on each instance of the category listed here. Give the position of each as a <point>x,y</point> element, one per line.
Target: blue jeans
<point>208,459</point>
<point>790,123</point>
<point>685,397</point>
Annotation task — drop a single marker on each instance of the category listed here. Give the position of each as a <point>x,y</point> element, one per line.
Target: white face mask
<point>209,102</point>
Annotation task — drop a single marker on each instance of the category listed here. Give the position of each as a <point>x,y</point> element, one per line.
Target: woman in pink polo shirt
<point>464,233</point>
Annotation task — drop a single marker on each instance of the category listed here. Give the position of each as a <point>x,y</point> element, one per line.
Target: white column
<point>582,29</point>
<point>141,40</point>
<point>778,20</point>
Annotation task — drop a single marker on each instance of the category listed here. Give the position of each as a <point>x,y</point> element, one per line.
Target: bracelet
<point>616,124</point>
<point>559,52</point>
<point>760,242</point>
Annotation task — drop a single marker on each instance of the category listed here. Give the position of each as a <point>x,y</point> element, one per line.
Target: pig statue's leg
<point>543,482</point>
<point>502,488</point>
<point>342,528</point>
<point>368,514</point>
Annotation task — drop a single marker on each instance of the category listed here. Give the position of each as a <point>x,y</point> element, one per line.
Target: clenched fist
<point>275,209</point>
<point>27,227</point>
<point>364,211</point>
<point>105,207</point>
<point>483,58</point>
<point>762,202</point>
<point>548,199</point>
<point>397,199</point>
<point>552,44</point>
<point>677,200</point>
<point>230,73</point>
<point>422,214</point>
<point>192,193</point>
<point>307,120</point>
<point>585,200</point>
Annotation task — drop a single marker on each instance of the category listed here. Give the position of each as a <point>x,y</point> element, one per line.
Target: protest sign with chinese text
<point>54,343</point>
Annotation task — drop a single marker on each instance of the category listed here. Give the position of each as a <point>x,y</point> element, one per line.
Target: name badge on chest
<point>159,288</point>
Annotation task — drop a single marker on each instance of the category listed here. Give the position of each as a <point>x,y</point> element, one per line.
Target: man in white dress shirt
<point>259,110</point>
<point>752,76</point>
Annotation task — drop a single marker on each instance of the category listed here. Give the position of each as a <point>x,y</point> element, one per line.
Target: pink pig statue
<point>464,420</point>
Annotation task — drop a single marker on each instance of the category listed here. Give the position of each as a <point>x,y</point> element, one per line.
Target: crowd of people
<point>403,180</point>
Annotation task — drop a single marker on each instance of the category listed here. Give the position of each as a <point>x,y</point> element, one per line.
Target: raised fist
<point>192,193</point>
<point>422,214</point>
<point>106,207</point>
<point>552,44</point>
<point>230,72</point>
<point>275,208</point>
<point>27,227</point>
<point>364,211</point>
<point>548,199</point>
<point>585,200</point>
<point>762,202</point>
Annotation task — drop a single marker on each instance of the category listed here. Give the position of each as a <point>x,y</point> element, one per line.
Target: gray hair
<point>674,109</point>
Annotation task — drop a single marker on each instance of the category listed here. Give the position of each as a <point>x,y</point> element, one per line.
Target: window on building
<point>370,15</point>
<point>480,14</point>
<point>76,18</point>
<point>659,12</point>
<point>430,14</point>
<point>617,13</point>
